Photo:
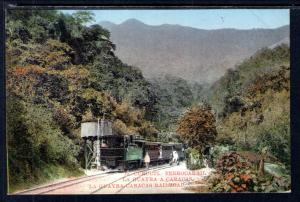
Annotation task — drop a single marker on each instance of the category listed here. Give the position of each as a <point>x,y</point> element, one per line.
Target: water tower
<point>91,132</point>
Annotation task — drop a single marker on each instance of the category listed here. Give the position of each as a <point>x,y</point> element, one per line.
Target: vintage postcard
<point>147,101</point>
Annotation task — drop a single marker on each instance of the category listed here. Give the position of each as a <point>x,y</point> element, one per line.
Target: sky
<point>199,18</point>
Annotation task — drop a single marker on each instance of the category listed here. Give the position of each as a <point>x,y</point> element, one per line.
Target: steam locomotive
<point>127,152</point>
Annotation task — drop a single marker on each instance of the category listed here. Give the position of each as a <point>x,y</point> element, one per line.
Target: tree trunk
<point>261,167</point>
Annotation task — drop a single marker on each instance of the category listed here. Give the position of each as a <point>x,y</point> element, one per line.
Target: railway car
<point>159,152</point>
<point>153,149</point>
<point>167,150</point>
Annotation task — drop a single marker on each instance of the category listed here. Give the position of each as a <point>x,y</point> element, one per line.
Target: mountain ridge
<point>133,20</point>
<point>191,53</point>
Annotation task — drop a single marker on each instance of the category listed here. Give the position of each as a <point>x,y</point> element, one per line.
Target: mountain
<point>285,40</point>
<point>193,54</point>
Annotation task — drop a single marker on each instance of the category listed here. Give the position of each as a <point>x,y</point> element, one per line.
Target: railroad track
<point>142,174</point>
<point>60,185</point>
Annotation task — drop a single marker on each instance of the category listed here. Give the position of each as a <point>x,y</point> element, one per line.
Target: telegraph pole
<point>102,134</point>
<point>98,146</point>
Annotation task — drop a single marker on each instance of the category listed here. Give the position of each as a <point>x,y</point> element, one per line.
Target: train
<point>115,151</point>
<point>127,152</point>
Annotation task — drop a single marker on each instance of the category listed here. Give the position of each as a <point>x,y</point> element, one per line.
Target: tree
<point>83,17</point>
<point>197,126</point>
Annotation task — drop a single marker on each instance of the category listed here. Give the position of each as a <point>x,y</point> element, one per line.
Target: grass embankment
<point>46,174</point>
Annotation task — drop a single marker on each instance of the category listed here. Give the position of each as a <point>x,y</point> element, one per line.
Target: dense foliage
<point>60,73</point>
<point>252,107</point>
<point>197,127</point>
<point>253,103</point>
<point>174,96</point>
<point>234,173</point>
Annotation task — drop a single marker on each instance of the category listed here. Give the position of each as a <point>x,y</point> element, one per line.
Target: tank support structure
<point>89,152</point>
<point>92,133</point>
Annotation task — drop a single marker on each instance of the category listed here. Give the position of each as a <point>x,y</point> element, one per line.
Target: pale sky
<point>199,18</point>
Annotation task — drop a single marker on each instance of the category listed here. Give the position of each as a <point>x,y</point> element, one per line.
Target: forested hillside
<point>252,103</point>
<point>174,96</point>
<point>60,73</point>
<point>246,120</point>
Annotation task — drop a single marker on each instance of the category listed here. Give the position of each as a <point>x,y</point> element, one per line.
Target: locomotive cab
<point>112,151</point>
<point>134,153</point>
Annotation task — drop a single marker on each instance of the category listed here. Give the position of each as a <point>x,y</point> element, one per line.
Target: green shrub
<point>34,141</point>
<point>236,174</point>
<point>194,159</point>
